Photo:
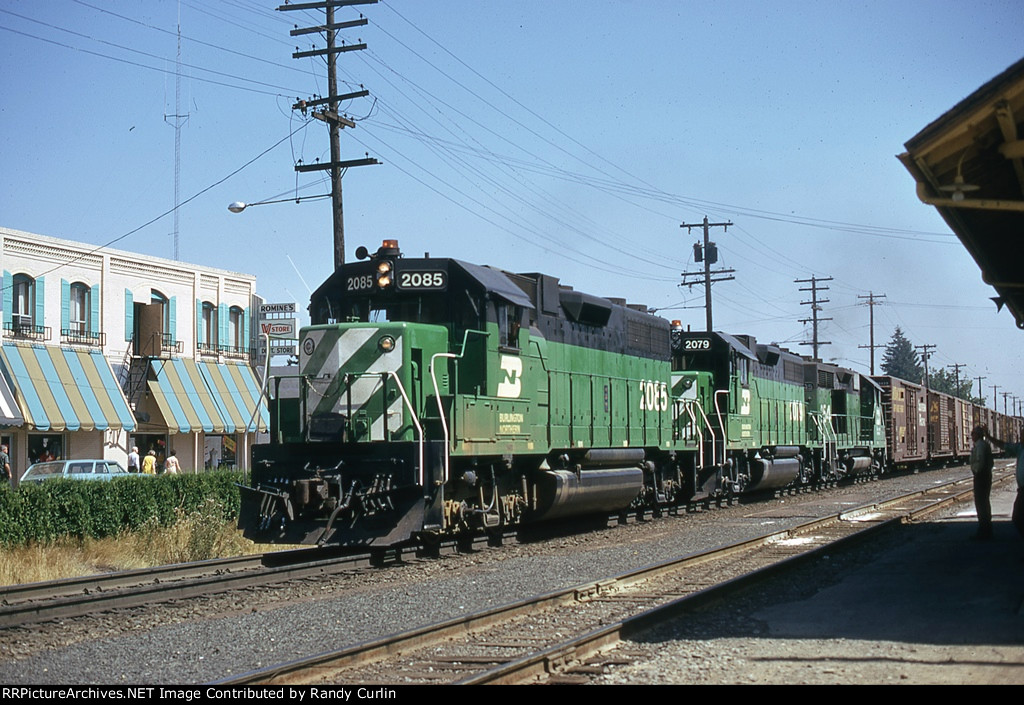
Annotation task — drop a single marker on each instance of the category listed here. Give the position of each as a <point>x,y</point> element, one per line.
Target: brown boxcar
<point>963,418</point>
<point>906,420</point>
<point>941,426</point>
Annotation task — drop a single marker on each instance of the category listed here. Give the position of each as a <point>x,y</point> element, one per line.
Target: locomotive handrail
<point>689,405</point>
<point>415,421</point>
<point>697,430</point>
<point>818,418</point>
<point>408,404</point>
<point>440,408</point>
<point>718,412</point>
<point>437,395</point>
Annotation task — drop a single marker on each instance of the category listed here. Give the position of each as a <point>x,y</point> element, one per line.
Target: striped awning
<point>204,396</point>
<point>237,393</point>
<point>61,389</point>
<point>10,414</point>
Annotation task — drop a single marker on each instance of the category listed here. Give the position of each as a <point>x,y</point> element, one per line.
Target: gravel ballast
<point>217,636</point>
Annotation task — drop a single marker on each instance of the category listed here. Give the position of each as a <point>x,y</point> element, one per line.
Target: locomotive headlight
<point>384,274</point>
<point>386,343</point>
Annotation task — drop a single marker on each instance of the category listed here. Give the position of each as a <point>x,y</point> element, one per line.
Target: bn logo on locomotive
<point>511,386</point>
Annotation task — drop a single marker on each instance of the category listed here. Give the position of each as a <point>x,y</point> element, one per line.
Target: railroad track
<point>32,603</point>
<point>568,635</point>
<point>76,597</point>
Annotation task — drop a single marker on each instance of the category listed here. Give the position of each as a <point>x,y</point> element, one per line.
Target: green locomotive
<point>435,396</point>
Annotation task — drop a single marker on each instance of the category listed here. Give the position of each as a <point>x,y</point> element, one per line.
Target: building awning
<point>183,397</point>
<point>237,394</point>
<point>205,396</point>
<point>61,389</point>
<point>10,414</point>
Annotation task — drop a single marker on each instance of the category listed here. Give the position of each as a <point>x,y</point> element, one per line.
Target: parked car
<point>75,470</point>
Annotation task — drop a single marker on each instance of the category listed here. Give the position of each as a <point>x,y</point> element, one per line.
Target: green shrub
<point>55,508</point>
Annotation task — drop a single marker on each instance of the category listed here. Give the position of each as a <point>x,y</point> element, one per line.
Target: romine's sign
<point>276,308</point>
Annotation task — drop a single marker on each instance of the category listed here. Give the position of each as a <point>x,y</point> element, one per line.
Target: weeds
<point>194,536</point>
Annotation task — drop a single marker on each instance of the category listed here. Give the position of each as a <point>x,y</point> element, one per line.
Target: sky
<point>572,138</point>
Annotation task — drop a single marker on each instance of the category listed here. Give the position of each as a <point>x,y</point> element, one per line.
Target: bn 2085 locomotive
<point>434,396</point>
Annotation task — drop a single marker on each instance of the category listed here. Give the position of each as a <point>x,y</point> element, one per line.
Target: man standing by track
<point>1017,450</point>
<point>981,468</point>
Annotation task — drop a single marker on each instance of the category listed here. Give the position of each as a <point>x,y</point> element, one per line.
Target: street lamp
<point>239,206</point>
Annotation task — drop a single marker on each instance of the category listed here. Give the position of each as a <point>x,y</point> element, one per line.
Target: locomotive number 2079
<point>653,395</point>
<point>697,344</point>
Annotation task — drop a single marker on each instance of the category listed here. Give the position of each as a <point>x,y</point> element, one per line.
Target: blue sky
<point>566,137</point>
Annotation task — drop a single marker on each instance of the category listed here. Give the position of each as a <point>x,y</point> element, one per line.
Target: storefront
<point>60,402</point>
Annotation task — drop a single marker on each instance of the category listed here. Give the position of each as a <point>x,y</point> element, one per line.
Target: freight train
<point>434,397</point>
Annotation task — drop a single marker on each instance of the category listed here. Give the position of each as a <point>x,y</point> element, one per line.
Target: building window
<point>210,336</point>
<point>26,309</point>
<point>24,303</point>
<point>80,309</point>
<point>157,298</point>
<point>236,329</point>
<point>79,314</point>
<point>45,447</point>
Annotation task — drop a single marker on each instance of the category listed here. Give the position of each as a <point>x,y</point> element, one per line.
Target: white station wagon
<point>75,470</point>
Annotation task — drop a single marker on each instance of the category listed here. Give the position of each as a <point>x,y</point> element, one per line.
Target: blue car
<point>75,470</point>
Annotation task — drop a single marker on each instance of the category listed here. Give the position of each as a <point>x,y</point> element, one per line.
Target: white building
<point>103,349</point>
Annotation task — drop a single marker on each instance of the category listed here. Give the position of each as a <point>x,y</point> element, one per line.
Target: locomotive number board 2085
<point>431,280</point>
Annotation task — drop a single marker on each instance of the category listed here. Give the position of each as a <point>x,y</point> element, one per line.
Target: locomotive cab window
<point>509,318</point>
<point>742,367</point>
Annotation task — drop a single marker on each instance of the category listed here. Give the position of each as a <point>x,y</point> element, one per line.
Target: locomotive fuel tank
<point>774,468</point>
<point>603,481</point>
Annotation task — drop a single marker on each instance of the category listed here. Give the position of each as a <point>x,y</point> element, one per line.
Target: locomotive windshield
<point>431,308</point>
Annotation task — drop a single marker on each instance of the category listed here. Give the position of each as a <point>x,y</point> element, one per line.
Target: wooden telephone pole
<point>709,255</point>
<point>335,121</point>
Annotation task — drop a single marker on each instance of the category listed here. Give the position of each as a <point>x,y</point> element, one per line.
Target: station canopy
<point>969,164</point>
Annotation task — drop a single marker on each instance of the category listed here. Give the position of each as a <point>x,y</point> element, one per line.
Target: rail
<point>527,640</point>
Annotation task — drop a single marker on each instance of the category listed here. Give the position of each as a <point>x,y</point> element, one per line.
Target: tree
<point>944,381</point>
<point>901,360</point>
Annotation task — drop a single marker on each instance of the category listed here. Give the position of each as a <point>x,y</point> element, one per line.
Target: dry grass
<point>194,537</point>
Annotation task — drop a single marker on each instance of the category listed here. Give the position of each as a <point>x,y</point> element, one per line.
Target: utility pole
<point>709,255</point>
<point>995,397</point>
<point>981,392</point>
<point>956,374</point>
<point>1005,394</point>
<point>335,121</point>
<point>872,302</point>
<point>925,354</point>
<point>815,304</point>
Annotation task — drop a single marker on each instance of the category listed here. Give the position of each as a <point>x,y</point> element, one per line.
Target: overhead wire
<point>171,210</point>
